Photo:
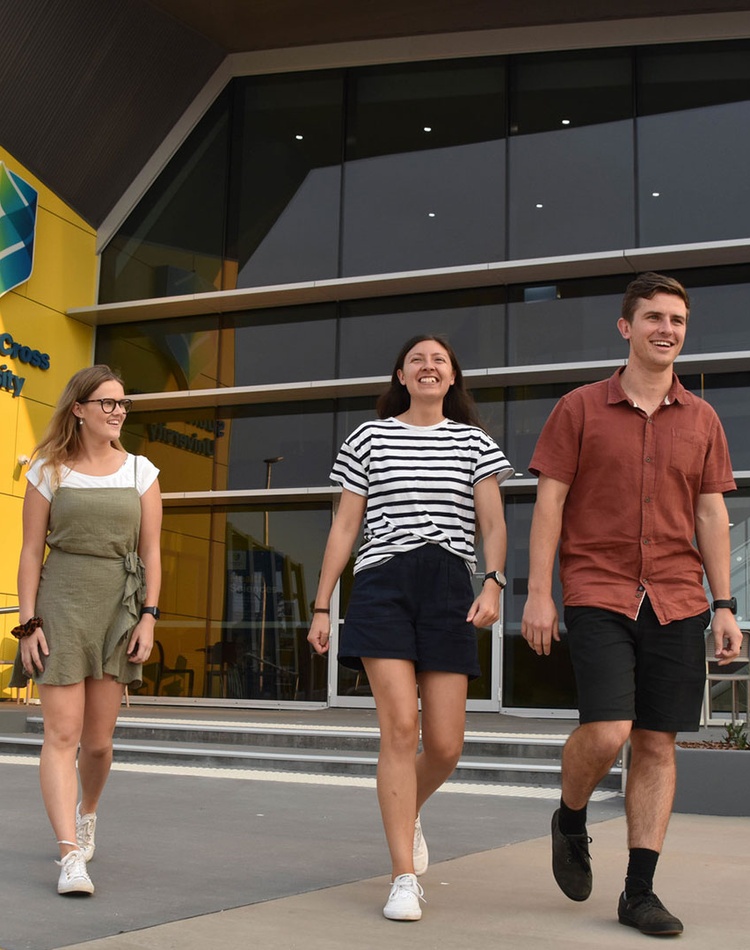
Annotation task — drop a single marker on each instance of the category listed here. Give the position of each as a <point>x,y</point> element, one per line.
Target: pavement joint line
<point>293,778</point>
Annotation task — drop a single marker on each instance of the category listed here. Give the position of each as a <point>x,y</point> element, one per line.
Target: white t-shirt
<point>419,483</point>
<point>147,473</point>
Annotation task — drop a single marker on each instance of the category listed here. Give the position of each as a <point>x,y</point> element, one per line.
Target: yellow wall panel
<point>10,518</point>
<point>67,275</point>
<point>33,315</point>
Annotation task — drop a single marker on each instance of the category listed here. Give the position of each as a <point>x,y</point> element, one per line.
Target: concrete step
<point>497,758</point>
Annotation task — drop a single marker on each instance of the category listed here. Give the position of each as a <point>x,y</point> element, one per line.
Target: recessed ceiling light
<point>430,214</point>
<point>299,137</point>
<point>427,128</point>
<point>655,194</point>
<point>538,205</point>
<point>566,121</point>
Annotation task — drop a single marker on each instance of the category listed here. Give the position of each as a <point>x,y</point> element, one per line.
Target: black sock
<point>572,821</point>
<point>641,868</point>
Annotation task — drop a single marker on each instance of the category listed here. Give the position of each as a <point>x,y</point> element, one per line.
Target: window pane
<point>693,142</point>
<point>729,394</point>
<point>571,167</point>
<point>529,680</point>
<point>570,321</point>
<point>528,409</point>
<point>290,344</point>
<point>373,331</point>
<point>286,175</point>
<point>298,435</point>
<point>173,242</point>
<point>425,166</point>
<point>163,355</point>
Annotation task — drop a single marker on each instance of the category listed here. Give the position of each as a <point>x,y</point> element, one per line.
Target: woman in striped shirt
<point>422,478</point>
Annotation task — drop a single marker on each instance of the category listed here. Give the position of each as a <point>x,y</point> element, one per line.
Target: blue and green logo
<point>17,225</point>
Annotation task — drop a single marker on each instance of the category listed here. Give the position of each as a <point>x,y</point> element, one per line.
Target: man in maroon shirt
<point>631,470</point>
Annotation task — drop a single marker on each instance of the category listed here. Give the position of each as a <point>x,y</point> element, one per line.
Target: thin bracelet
<point>321,610</point>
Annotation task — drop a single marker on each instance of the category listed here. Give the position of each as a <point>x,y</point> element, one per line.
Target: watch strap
<point>497,577</point>
<point>730,604</point>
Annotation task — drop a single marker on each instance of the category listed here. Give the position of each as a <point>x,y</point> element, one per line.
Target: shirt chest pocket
<point>688,451</point>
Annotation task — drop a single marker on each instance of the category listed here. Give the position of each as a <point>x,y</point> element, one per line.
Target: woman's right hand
<point>33,650</point>
<point>320,633</point>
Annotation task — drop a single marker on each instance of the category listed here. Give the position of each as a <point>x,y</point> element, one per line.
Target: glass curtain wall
<point>337,173</point>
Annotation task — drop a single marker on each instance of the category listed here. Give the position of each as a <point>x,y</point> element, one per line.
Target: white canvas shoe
<point>420,854</point>
<point>403,901</point>
<point>74,876</point>
<point>85,832</point>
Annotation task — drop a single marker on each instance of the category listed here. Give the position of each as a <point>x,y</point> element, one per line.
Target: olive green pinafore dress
<point>92,587</point>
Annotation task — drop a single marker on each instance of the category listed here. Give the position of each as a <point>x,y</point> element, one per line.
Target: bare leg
<point>103,701</point>
<point>394,687</point>
<point>443,723</point>
<point>650,789</point>
<point>587,757</point>
<point>62,709</point>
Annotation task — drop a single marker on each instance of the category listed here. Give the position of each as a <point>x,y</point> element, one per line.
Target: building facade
<point>315,208</point>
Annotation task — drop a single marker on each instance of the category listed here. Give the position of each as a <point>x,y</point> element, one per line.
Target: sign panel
<point>18,202</point>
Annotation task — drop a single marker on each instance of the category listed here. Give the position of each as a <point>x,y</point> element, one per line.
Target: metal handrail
<point>9,610</point>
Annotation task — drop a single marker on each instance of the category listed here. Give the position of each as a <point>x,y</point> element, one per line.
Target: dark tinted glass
<point>693,142</point>
<point>163,355</point>
<point>729,395</point>
<point>373,331</point>
<point>571,172</point>
<point>528,679</point>
<point>568,321</point>
<point>300,435</point>
<point>528,408</point>
<point>286,178</point>
<point>173,242</point>
<point>289,344</point>
<point>425,166</point>
<point>719,308</point>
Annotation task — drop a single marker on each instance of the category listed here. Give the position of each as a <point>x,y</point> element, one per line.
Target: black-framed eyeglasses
<point>108,405</point>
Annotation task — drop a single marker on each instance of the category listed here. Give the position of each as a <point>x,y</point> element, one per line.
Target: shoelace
<point>85,827</point>
<point>411,887</point>
<point>579,849</point>
<point>646,898</point>
<point>74,865</point>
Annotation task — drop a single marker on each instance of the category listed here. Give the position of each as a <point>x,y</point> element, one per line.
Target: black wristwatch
<point>730,604</point>
<point>497,577</point>
<point>154,611</point>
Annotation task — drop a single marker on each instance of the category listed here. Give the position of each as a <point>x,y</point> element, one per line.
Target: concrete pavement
<point>228,859</point>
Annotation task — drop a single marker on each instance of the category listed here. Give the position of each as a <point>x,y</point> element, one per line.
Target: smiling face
<point>97,423</point>
<point>427,371</point>
<point>657,331</point>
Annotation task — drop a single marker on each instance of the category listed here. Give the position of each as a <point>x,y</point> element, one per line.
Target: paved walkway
<point>229,860</point>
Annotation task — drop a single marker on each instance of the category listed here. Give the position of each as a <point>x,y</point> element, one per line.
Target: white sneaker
<point>85,832</point>
<point>403,901</point>
<point>74,877</point>
<point>421,855</point>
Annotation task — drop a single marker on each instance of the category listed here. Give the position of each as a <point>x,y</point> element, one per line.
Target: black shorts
<point>638,669</point>
<point>413,607</point>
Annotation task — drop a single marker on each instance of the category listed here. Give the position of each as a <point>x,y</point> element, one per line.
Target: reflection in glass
<point>693,142</point>
<point>286,178</point>
<point>173,242</point>
<point>571,171</point>
<point>528,409</point>
<point>157,356</point>
<point>302,433</point>
<point>425,166</point>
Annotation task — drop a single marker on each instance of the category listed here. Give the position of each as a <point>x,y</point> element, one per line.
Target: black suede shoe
<point>646,913</point>
<point>571,862</point>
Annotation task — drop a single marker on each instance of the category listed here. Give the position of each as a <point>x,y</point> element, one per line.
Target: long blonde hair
<point>62,440</point>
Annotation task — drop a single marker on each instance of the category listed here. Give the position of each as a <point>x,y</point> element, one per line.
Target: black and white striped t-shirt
<point>419,483</point>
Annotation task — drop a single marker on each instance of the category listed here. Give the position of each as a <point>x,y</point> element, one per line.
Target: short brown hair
<point>646,286</point>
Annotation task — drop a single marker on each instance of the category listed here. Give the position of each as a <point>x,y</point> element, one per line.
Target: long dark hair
<point>458,404</point>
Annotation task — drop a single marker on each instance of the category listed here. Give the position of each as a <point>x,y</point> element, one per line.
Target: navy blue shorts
<point>413,607</point>
<point>638,669</point>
